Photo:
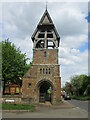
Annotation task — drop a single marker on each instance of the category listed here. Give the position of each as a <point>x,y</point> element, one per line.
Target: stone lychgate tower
<point>42,81</point>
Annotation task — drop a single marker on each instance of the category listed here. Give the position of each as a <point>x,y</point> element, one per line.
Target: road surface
<point>80,104</point>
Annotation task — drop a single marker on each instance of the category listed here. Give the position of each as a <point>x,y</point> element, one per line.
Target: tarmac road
<point>80,104</point>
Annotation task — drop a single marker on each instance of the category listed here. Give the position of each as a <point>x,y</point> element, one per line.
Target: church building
<point>42,82</point>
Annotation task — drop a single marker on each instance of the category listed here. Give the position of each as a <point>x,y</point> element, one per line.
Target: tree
<point>84,84</point>
<point>75,85</point>
<point>63,88</point>
<point>87,91</point>
<point>79,84</point>
<point>28,66</point>
<point>13,63</point>
<point>68,88</point>
<point>0,65</point>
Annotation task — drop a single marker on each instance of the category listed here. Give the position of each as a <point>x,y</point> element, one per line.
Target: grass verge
<point>84,98</point>
<point>18,107</point>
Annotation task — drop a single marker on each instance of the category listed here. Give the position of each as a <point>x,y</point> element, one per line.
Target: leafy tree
<point>0,64</point>
<point>63,88</point>
<point>88,90</point>
<point>85,83</point>
<point>28,66</point>
<point>13,63</point>
<point>67,88</point>
<point>79,83</point>
<point>75,84</point>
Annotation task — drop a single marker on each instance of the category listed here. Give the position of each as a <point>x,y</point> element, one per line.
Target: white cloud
<point>70,20</point>
<point>66,62</point>
<point>75,51</point>
<point>0,21</point>
<point>75,41</point>
<point>80,66</point>
<point>66,56</point>
<point>26,46</point>
<point>21,19</point>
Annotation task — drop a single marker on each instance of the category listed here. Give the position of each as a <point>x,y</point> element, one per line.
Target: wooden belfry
<point>42,82</point>
<point>45,35</point>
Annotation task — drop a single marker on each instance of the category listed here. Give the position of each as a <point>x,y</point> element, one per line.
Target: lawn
<point>18,107</point>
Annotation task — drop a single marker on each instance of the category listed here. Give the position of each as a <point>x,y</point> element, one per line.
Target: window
<point>42,30</point>
<point>45,54</point>
<point>48,30</point>
<point>50,35</point>
<point>40,71</point>
<point>49,71</point>
<point>40,44</point>
<point>46,70</point>
<point>41,35</point>
<point>43,71</point>
<point>51,44</point>
<point>29,84</point>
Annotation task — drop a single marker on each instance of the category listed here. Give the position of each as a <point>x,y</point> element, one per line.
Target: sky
<point>18,21</point>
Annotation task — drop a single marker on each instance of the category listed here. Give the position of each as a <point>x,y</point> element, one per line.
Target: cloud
<point>26,46</point>
<point>70,56</point>
<point>69,19</point>
<point>0,21</point>
<point>75,51</point>
<point>79,67</point>
<point>75,41</point>
<point>21,19</point>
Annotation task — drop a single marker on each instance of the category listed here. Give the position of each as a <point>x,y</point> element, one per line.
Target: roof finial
<point>46,5</point>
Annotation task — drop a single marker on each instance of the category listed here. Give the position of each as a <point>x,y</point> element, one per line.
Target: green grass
<point>81,97</point>
<point>18,107</point>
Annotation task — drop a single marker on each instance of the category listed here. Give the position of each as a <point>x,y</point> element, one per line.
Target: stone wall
<point>43,69</point>
<point>17,100</point>
<point>51,56</point>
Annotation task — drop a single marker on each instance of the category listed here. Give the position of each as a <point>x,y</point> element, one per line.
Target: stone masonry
<point>44,72</point>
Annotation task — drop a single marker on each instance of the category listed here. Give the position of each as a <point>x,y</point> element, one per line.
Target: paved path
<point>56,113</point>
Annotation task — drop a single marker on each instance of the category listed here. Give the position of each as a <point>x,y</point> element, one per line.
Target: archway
<point>45,91</point>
